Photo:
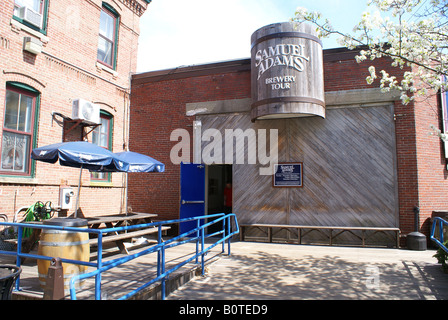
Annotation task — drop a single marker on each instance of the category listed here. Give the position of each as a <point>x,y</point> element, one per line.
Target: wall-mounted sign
<point>288,175</point>
<point>287,72</point>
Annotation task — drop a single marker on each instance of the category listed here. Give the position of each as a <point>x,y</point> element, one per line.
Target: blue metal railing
<point>197,234</point>
<point>438,224</point>
<point>19,254</point>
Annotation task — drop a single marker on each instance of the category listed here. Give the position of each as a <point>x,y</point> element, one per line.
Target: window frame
<point>28,91</point>
<point>107,176</point>
<point>109,10</point>
<point>44,13</point>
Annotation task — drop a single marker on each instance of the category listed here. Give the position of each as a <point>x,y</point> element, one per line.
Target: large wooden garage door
<point>349,172</point>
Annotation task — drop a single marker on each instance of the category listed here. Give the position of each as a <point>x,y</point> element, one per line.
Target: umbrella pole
<point>79,190</point>
<point>126,193</point>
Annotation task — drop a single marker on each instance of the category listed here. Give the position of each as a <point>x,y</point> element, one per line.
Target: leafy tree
<point>413,33</point>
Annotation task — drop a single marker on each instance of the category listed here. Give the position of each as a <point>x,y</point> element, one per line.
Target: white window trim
<point>20,26</point>
<point>101,66</point>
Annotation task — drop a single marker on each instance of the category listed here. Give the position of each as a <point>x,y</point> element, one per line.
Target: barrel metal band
<point>288,99</point>
<point>51,231</point>
<point>62,244</point>
<point>286,35</point>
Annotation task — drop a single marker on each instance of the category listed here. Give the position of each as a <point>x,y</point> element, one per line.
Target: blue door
<point>192,194</point>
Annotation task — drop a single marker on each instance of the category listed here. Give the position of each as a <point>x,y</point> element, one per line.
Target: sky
<point>175,33</point>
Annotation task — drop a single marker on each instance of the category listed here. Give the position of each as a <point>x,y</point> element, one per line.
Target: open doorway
<point>219,191</point>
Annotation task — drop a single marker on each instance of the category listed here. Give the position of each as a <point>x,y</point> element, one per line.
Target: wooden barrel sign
<point>287,72</point>
<point>64,244</point>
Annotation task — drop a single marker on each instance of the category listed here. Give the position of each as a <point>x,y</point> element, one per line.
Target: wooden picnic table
<point>101,222</point>
<point>115,221</point>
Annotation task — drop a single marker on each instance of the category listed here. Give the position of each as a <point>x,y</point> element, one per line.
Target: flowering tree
<point>412,33</point>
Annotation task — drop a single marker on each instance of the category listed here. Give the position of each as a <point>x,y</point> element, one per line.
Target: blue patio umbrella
<point>80,154</point>
<point>85,155</point>
<point>139,162</point>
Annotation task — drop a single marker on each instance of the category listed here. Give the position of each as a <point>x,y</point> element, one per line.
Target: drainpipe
<point>127,119</point>
<point>417,218</point>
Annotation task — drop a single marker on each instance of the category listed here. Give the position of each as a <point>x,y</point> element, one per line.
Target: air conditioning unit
<point>85,110</point>
<point>29,15</point>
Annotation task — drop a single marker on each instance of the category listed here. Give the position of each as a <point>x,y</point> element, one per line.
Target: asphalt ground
<point>272,281</point>
<point>266,271</point>
<point>281,278</point>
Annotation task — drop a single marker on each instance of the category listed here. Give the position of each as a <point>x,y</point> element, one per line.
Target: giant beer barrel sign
<point>287,72</point>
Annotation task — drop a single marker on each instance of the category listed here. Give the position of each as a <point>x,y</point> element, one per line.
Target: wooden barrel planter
<point>64,244</point>
<point>287,72</point>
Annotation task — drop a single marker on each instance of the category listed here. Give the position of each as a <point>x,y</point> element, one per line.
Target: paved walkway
<point>266,271</point>
<point>121,280</point>
<point>284,272</point>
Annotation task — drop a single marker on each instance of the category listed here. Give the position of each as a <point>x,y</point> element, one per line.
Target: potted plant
<point>442,257</point>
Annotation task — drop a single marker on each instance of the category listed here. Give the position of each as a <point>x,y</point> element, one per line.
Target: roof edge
<point>239,65</point>
<point>336,54</point>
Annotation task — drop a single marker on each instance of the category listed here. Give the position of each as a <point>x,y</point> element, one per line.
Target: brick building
<point>371,161</point>
<point>55,54</point>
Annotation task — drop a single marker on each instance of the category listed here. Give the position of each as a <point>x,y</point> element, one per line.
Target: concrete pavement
<point>283,272</point>
<point>120,280</point>
<point>267,271</point>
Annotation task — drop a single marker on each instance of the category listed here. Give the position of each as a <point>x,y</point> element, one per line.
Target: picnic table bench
<point>108,221</point>
<point>308,229</point>
<point>115,221</point>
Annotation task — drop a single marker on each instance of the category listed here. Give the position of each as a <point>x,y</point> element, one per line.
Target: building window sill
<point>18,180</point>
<point>20,26</point>
<point>101,184</point>
<point>101,67</point>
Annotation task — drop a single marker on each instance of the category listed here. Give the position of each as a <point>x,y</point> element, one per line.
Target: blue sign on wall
<point>288,175</point>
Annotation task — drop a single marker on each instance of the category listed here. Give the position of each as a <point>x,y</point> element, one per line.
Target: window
<point>18,130</point>
<point>102,136</point>
<point>35,16</point>
<point>107,39</point>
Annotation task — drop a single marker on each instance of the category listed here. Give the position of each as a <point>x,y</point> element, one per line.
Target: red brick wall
<point>406,165</point>
<point>67,69</point>
<point>431,162</point>
<point>157,109</point>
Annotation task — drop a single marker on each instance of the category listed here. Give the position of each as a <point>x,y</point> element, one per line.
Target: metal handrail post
<point>202,251</point>
<point>228,232</point>
<point>99,265</point>
<point>442,240</point>
<point>223,235</point>
<point>198,224</point>
<point>163,271</point>
<point>159,253</point>
<point>19,251</point>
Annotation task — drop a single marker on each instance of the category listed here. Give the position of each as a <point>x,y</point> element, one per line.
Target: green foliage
<point>442,257</point>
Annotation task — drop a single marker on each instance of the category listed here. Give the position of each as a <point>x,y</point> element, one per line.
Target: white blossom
<point>395,29</point>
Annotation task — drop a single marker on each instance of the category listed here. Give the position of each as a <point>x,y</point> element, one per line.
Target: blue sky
<point>176,33</point>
